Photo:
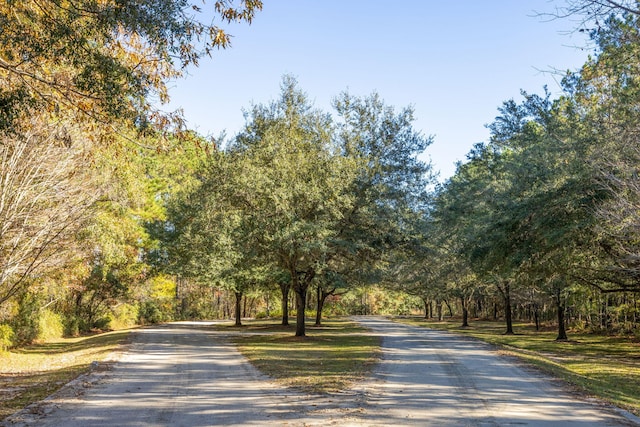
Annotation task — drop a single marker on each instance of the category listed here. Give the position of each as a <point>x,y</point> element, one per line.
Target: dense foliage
<point>545,212</point>
<point>111,213</point>
<point>298,199</point>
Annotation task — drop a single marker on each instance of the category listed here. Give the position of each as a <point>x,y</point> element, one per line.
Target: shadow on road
<point>188,374</point>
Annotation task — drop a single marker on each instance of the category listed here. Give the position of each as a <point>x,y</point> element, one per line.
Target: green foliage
<point>72,326</point>
<point>149,312</point>
<point>26,322</point>
<point>123,316</point>
<point>273,314</point>
<point>51,325</point>
<point>93,302</point>
<point>297,195</point>
<point>89,161</point>
<point>549,204</point>
<point>104,60</point>
<point>367,300</point>
<point>101,323</point>
<point>6,337</point>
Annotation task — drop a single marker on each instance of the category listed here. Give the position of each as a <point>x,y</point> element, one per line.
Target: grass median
<point>602,366</point>
<point>30,374</point>
<point>329,359</point>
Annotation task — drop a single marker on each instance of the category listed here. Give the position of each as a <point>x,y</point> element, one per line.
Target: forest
<point>114,213</point>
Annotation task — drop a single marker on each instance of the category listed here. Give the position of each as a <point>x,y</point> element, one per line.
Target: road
<point>188,374</point>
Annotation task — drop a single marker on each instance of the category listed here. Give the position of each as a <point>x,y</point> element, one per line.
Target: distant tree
<point>390,190</point>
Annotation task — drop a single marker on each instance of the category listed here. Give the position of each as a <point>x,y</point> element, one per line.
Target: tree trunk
<point>309,305</point>
<point>426,308</point>
<point>449,308</point>
<point>562,332</point>
<point>244,307</point>
<point>300,283</point>
<point>439,310</point>
<point>320,297</point>
<point>220,308</point>
<point>301,299</point>
<point>507,308</point>
<point>238,308</point>
<point>465,312</point>
<point>284,288</point>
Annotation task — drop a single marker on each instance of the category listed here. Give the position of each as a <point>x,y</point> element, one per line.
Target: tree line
<point>112,212</point>
<point>299,198</point>
<point>544,215</point>
<point>81,143</point>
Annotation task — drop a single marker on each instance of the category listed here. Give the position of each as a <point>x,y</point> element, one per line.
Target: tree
<point>294,186</point>
<point>292,196</point>
<point>390,189</point>
<point>475,215</point>
<point>607,90</point>
<point>595,12</point>
<point>103,59</point>
<point>45,196</point>
<point>206,237</point>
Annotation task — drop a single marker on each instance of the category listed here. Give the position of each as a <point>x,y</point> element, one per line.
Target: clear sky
<point>455,61</point>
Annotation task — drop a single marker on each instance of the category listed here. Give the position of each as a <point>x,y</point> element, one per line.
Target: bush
<point>103,323</point>
<point>273,314</point>
<point>50,325</point>
<point>124,316</point>
<point>26,322</point>
<point>149,312</point>
<point>6,337</point>
<point>71,326</point>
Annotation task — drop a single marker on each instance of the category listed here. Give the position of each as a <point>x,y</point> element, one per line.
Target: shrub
<point>26,322</point>
<point>101,323</point>
<point>71,326</point>
<point>273,314</point>
<point>149,312</point>
<point>50,325</point>
<point>124,316</point>
<point>6,337</point>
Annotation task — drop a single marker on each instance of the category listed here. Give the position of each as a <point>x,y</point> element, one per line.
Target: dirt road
<point>186,374</point>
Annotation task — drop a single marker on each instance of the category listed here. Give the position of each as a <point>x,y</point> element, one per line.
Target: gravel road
<point>186,374</point>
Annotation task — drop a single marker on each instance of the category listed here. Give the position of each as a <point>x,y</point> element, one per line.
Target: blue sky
<point>454,61</point>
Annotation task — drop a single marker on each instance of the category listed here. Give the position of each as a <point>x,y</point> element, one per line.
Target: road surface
<point>187,374</point>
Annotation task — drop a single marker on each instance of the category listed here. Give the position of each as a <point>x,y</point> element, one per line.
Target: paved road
<point>186,374</point>
<point>435,378</point>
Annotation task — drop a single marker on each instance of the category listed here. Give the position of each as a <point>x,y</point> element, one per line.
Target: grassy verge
<point>329,359</point>
<point>30,374</point>
<point>606,367</point>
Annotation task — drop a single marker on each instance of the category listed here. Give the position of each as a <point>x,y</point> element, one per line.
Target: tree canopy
<point>104,60</point>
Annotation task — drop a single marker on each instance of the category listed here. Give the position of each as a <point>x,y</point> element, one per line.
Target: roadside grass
<point>30,374</point>
<point>601,366</point>
<point>329,359</point>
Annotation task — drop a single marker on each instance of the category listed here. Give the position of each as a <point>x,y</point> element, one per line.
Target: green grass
<point>30,374</point>
<point>606,367</point>
<point>329,359</point>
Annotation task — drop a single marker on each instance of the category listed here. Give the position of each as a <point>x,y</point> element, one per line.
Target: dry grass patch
<point>32,373</point>
<point>329,359</point>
